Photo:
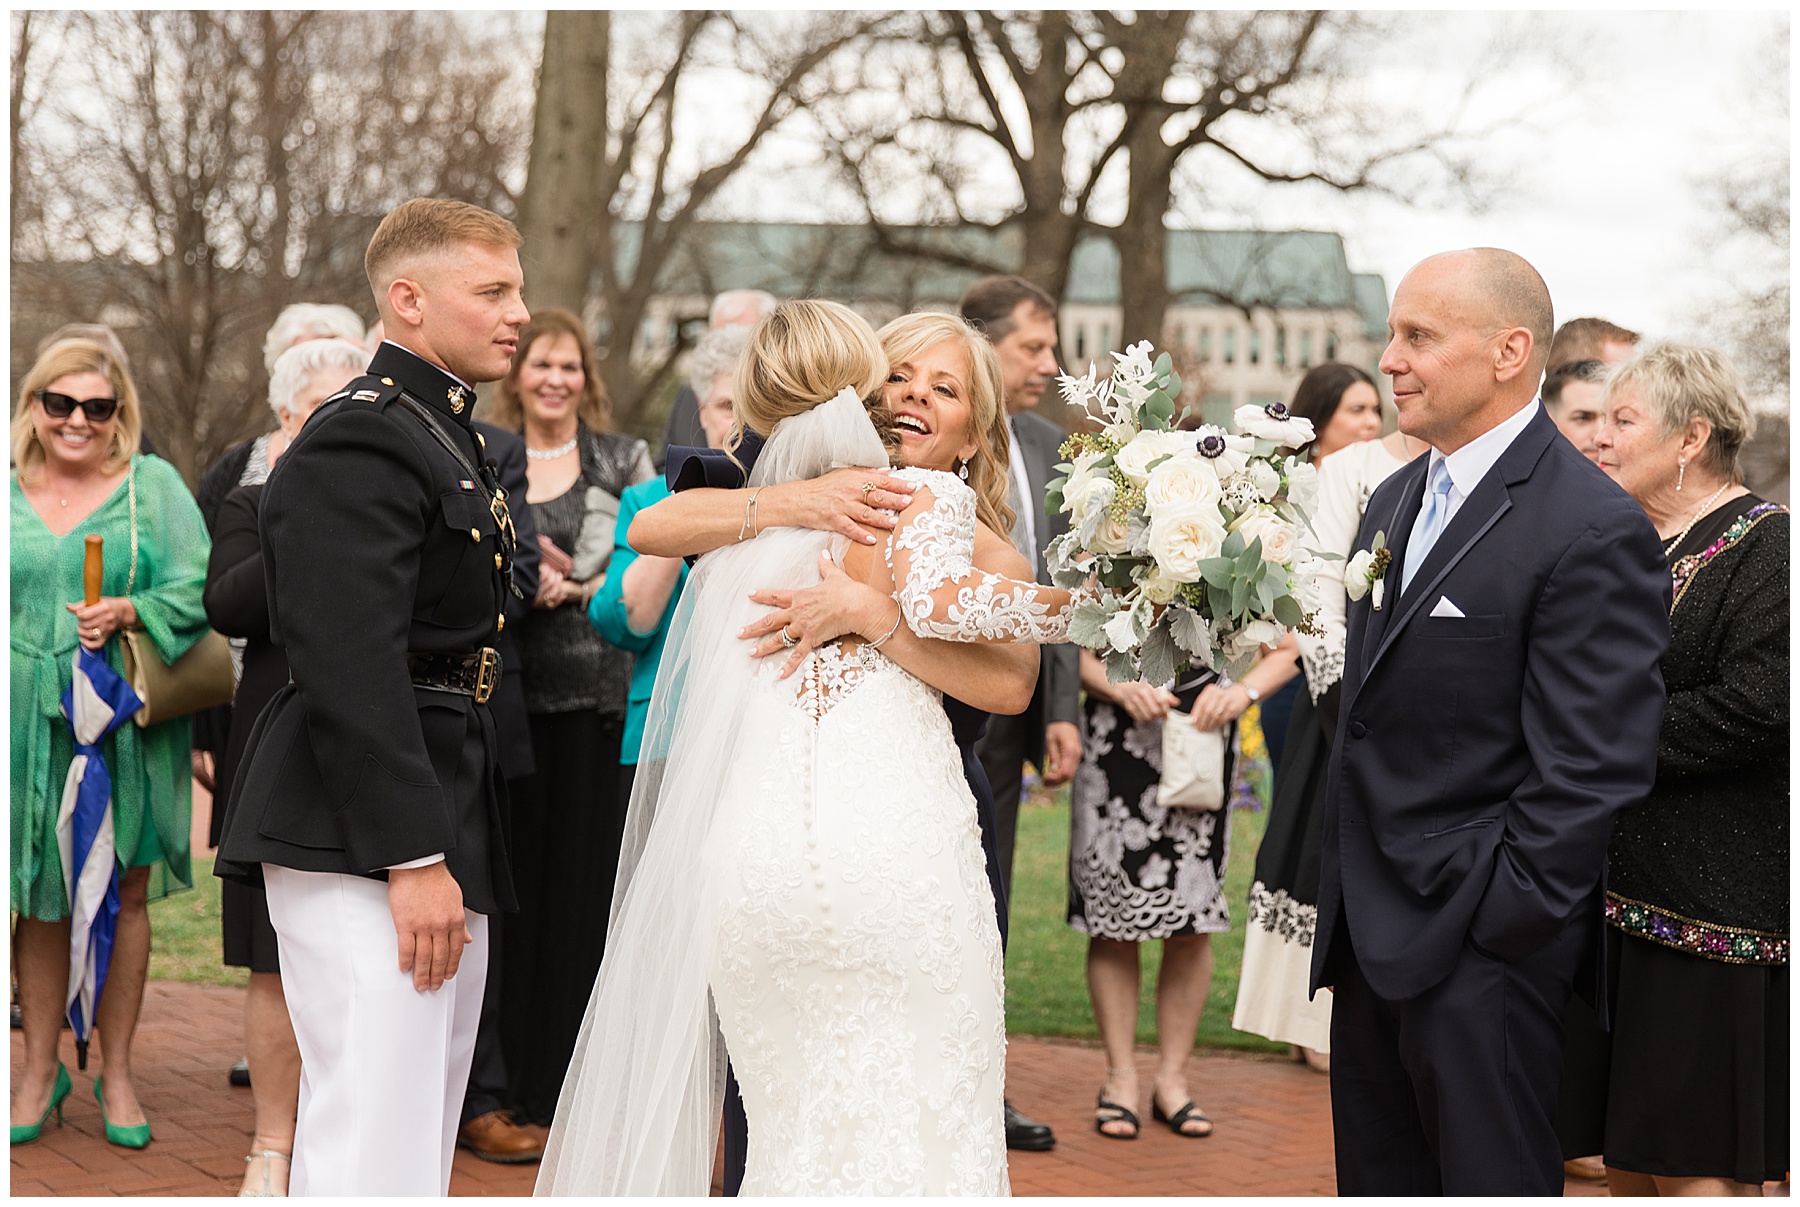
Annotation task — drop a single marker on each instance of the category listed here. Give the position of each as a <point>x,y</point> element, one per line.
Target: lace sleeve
<point>942,594</point>
<point>1345,482</point>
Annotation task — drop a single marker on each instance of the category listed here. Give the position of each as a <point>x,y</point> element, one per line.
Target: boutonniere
<point>1367,572</point>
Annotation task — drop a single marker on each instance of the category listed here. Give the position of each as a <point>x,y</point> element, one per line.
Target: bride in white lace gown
<point>803,879</point>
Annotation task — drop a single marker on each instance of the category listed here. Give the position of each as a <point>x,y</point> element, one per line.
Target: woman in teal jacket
<point>632,609</point>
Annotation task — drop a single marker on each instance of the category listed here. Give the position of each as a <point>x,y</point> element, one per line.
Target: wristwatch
<point>1255,696</point>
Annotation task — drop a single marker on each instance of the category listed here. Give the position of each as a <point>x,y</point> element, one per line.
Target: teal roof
<point>1276,269</point>
<point>1372,300</point>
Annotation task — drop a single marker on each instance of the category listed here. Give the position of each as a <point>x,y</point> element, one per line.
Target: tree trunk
<point>568,141</point>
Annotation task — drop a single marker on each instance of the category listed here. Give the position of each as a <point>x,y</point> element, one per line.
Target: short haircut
<point>428,226</point>
<point>1519,297</point>
<point>307,320</point>
<point>100,333</point>
<point>762,300</point>
<point>1317,396</point>
<point>1594,372</point>
<point>1586,339</point>
<point>989,303</point>
<point>594,409</point>
<point>1684,382</point>
<point>717,352</point>
<point>294,368</point>
<point>61,359</point>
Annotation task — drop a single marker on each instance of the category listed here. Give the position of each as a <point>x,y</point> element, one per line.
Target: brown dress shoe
<point>495,1137</point>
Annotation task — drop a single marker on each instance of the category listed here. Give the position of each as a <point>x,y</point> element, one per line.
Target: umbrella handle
<point>92,569</point>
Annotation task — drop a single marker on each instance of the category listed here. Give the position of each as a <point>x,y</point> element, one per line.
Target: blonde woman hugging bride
<point>802,880</point>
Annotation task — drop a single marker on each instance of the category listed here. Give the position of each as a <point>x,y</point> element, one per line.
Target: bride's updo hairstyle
<point>909,335</point>
<point>800,356</point>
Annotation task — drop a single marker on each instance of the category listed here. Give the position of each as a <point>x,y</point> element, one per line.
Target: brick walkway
<point>1273,1121</point>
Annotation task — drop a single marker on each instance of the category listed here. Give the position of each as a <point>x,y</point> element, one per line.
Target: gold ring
<point>867,487</point>
<point>789,642</point>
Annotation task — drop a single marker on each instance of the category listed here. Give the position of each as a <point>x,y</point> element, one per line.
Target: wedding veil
<point>640,1106</point>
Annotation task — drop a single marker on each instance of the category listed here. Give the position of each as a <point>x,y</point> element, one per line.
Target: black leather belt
<point>466,674</point>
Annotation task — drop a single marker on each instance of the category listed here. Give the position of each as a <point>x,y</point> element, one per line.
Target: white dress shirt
<point>1022,483</point>
<point>1471,463</point>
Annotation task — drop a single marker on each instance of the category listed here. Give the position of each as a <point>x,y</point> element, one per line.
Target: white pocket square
<point>1445,607</point>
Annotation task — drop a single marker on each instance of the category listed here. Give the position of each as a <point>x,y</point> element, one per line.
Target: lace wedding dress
<point>803,885</point>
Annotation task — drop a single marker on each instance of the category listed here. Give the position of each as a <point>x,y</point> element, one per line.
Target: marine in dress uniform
<point>388,560</point>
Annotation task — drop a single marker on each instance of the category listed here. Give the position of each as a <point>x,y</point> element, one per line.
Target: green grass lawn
<point>1046,981</point>
<point>1046,978</point>
<point>184,934</point>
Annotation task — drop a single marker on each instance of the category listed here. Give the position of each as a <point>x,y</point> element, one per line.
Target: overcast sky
<point>1629,119</point>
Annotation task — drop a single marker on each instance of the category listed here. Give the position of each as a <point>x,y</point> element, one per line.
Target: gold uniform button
<point>500,624</point>
<point>475,535</point>
<point>496,561</point>
<point>387,381</point>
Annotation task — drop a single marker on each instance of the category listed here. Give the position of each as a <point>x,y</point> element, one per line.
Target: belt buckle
<point>487,674</point>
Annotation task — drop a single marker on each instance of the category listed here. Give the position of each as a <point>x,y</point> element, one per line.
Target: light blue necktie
<point>1430,523</point>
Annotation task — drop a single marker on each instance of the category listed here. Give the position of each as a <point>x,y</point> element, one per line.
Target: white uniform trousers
<point>383,1066</point>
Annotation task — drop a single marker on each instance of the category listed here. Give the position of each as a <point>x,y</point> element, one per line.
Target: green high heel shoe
<point>25,1133</point>
<point>124,1137</point>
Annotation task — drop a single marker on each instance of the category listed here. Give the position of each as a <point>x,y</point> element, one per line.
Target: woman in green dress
<point>74,435</point>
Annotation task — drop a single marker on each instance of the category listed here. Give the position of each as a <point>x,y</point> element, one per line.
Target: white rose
<point>1158,587</point>
<point>1252,637</point>
<point>1303,485</point>
<point>1134,459</point>
<point>1085,489</point>
<point>1111,537</point>
<point>1180,483</point>
<point>1225,453</point>
<point>1356,574</point>
<point>1265,478</point>
<point>1277,535</point>
<point>1275,423</point>
<point>1181,540</point>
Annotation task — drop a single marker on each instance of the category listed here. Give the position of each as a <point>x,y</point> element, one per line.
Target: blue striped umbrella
<point>97,701</point>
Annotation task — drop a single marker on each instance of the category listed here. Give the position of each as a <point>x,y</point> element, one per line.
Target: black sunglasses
<point>61,406</point>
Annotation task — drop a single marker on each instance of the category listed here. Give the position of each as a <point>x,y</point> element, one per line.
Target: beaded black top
<point>1703,863</point>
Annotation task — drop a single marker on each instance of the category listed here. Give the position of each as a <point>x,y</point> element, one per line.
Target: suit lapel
<point>1396,527</point>
<point>1479,512</point>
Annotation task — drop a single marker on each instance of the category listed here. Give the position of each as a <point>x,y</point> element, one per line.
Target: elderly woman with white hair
<point>1691,1093</point>
<point>237,605</point>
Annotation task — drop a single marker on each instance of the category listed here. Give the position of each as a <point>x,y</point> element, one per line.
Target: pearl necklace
<point>551,454</point>
<point>1698,512</point>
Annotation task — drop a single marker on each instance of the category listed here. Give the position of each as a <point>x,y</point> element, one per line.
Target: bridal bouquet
<point>1191,538</point>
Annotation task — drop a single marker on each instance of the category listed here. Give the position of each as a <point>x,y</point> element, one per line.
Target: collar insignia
<point>456,400</point>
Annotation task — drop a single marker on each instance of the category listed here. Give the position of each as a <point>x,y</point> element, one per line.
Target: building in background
<point>1250,311</point>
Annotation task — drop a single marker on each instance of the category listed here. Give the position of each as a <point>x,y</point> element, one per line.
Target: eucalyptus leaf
<point>1218,571</point>
<point>1234,545</point>
<point>1240,595</point>
<point>1174,384</point>
<point>1288,612</point>
<point>1053,498</point>
<point>1163,364</point>
<point>1219,600</point>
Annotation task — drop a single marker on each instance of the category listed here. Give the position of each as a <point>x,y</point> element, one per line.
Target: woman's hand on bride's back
<point>859,503</point>
<point>813,616</point>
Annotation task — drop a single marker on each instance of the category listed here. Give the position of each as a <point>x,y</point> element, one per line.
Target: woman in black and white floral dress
<point>1140,871</point>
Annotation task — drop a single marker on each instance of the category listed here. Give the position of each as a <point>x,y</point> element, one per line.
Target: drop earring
<point>1681,475</point>
<point>962,471</point>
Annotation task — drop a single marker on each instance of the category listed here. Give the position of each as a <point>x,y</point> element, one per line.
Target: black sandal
<point>1187,1114</point>
<point>1121,1115</point>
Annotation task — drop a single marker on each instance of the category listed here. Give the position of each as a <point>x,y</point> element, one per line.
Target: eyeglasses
<point>61,406</point>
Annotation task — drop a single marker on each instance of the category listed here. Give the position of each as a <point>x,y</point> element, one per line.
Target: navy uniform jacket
<point>376,542</point>
<point>1480,759</point>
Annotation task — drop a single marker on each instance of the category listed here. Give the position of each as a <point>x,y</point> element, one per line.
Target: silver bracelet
<point>898,614</point>
<point>750,510</point>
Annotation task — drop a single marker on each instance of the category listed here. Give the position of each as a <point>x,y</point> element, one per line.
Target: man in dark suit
<point>1502,700</point>
<point>488,1129</point>
<point>1019,319</point>
<point>371,801</point>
